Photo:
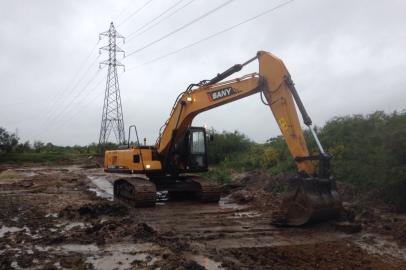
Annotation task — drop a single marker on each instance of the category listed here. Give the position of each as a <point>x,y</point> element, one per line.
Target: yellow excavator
<point>181,149</point>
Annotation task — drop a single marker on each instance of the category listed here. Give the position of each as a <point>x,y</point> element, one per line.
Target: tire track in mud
<point>211,228</point>
<point>58,221</point>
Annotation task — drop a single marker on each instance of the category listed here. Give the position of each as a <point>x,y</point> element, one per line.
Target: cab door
<point>197,146</point>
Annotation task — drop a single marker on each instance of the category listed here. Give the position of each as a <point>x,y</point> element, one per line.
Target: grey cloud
<point>345,57</point>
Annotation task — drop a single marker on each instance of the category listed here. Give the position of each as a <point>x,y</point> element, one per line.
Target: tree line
<point>368,151</point>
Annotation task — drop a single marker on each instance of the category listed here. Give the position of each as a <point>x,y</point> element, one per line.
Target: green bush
<point>368,151</point>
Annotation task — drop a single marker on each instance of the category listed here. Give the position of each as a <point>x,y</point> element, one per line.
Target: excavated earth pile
<point>64,218</point>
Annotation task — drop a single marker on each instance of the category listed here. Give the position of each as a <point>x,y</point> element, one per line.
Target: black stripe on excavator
<point>128,171</point>
<point>111,170</point>
<point>225,74</point>
<point>230,71</point>
<point>298,159</point>
<point>306,118</point>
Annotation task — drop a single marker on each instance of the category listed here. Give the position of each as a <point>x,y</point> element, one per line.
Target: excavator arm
<point>273,80</point>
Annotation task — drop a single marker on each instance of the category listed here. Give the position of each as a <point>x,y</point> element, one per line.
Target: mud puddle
<point>378,245</point>
<point>204,261</point>
<point>5,229</point>
<point>102,186</point>
<point>11,175</point>
<point>114,256</point>
<point>72,228</point>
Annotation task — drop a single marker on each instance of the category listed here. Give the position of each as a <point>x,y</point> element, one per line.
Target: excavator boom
<point>273,80</point>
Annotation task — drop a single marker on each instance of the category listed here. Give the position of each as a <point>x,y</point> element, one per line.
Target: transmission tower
<point>112,117</point>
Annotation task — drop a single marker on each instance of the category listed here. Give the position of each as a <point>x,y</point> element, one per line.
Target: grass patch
<point>41,158</point>
<point>219,174</point>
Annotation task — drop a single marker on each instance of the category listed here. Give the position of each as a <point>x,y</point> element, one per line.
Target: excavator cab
<point>196,157</point>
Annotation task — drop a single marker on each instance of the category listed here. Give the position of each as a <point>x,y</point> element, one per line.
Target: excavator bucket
<point>309,200</point>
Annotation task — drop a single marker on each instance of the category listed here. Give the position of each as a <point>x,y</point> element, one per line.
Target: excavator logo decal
<point>221,93</point>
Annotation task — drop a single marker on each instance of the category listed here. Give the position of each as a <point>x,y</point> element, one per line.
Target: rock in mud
<point>348,227</point>
<point>72,261</point>
<point>94,210</point>
<point>144,232</point>
<point>242,196</point>
<point>174,261</point>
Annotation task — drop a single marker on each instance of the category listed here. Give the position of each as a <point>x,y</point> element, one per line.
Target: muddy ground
<point>64,218</point>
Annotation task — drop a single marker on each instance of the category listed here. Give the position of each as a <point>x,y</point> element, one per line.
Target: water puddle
<point>226,203</point>
<point>28,174</point>
<point>55,215</point>
<point>69,226</point>
<point>247,214</point>
<point>162,196</point>
<point>120,260</point>
<point>103,188</point>
<point>113,256</point>
<point>377,244</point>
<point>208,263</point>
<point>90,248</point>
<point>5,229</point>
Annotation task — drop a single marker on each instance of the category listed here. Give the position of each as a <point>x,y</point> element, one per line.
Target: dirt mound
<point>144,232</point>
<point>330,255</point>
<point>242,196</point>
<point>91,211</point>
<point>261,190</point>
<point>174,261</point>
<point>389,224</point>
<point>106,231</point>
<point>259,179</point>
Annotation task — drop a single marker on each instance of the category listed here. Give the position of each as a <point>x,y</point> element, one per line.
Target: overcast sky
<point>345,57</point>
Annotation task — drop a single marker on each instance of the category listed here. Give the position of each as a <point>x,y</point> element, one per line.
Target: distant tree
<point>226,145</point>
<point>23,147</point>
<point>38,146</point>
<point>8,141</point>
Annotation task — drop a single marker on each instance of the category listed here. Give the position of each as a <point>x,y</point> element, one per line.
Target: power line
<point>72,89</point>
<point>62,124</point>
<point>213,35</point>
<point>39,116</point>
<point>76,96</point>
<point>64,109</point>
<point>182,27</point>
<point>157,17</point>
<point>80,108</point>
<point>47,116</point>
<point>69,86</point>
<point>163,19</point>
<point>134,13</point>
<point>61,93</point>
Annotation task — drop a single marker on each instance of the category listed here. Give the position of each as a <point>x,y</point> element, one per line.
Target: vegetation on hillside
<point>12,150</point>
<point>368,151</point>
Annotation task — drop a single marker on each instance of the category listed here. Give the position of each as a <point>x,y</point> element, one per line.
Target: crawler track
<point>209,191</point>
<point>137,192</point>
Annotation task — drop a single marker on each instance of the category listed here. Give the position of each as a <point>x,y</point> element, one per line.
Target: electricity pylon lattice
<point>112,117</point>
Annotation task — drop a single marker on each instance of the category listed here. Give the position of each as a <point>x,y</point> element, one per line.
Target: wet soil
<point>64,218</point>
